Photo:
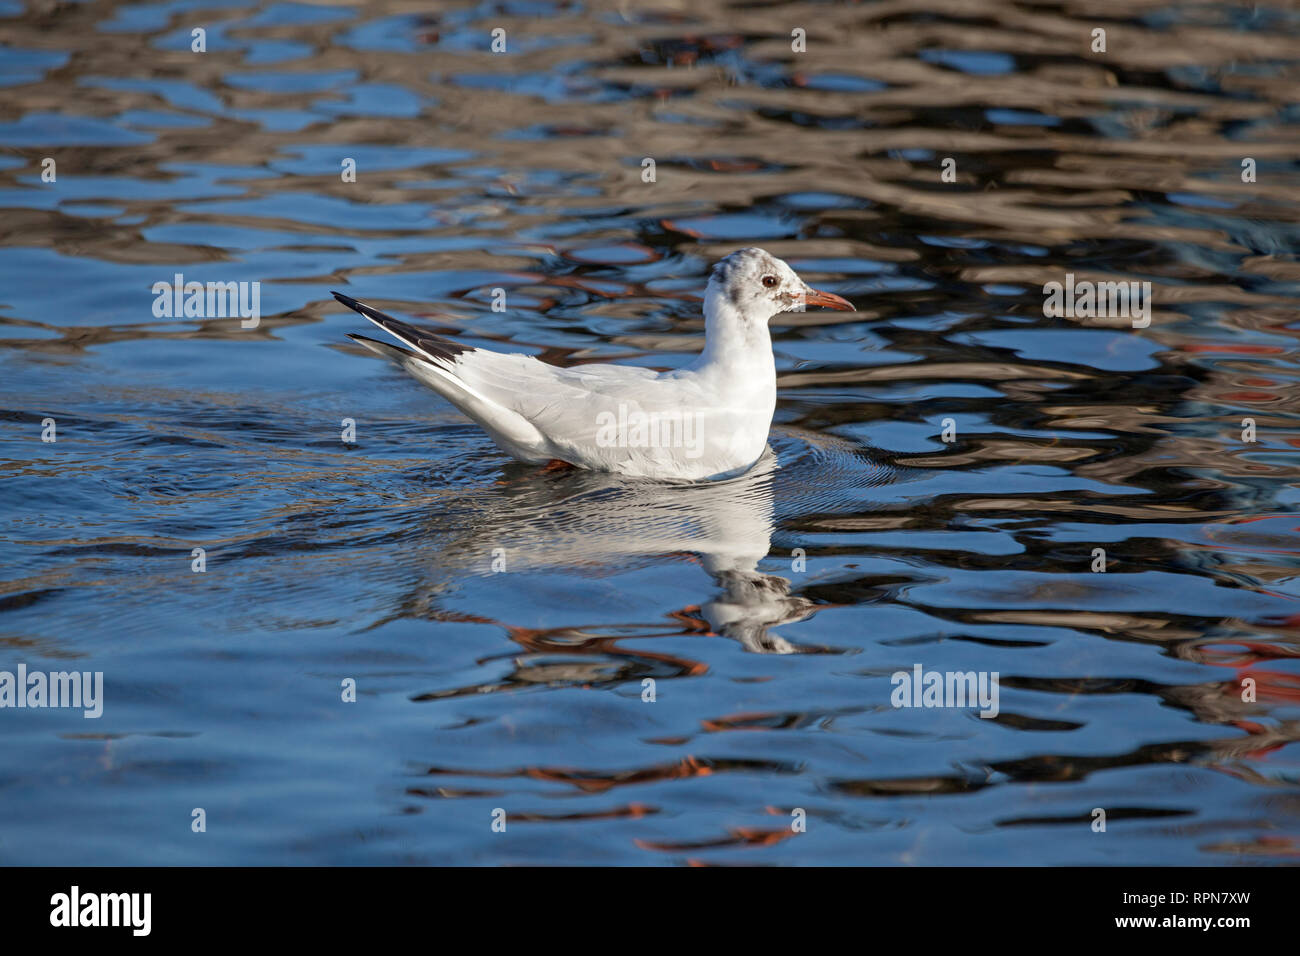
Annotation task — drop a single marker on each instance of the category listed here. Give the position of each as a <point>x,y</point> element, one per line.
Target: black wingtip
<point>386,349</point>
<point>432,346</point>
<point>367,311</point>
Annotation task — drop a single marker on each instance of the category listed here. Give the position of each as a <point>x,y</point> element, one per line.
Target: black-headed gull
<point>708,420</point>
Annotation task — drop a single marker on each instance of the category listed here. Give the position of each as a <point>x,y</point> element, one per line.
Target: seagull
<point>707,421</point>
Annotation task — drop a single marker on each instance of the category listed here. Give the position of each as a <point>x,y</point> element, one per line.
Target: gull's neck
<point>734,340</point>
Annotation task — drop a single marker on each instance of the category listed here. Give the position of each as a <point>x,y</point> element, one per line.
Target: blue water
<point>628,673</point>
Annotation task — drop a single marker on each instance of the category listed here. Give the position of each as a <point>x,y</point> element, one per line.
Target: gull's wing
<point>566,407</point>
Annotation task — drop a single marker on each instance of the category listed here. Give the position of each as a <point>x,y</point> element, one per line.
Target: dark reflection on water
<point>771,610</point>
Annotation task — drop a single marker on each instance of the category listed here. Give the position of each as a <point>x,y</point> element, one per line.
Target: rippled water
<point>771,610</point>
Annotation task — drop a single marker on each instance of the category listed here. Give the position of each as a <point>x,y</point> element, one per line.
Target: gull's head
<point>758,285</point>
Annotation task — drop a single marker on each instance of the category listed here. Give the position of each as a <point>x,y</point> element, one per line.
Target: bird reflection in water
<point>589,523</point>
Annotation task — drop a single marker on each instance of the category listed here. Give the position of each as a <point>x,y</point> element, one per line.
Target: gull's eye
<point>769,281</point>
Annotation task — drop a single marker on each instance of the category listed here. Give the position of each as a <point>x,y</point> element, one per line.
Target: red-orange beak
<point>828,300</point>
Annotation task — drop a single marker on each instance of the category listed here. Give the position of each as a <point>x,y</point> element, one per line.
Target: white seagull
<point>708,420</point>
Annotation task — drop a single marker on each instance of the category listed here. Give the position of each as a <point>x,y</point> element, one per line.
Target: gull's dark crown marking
<point>726,270</point>
<point>722,272</point>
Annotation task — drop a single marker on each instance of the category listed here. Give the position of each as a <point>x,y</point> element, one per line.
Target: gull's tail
<point>434,361</point>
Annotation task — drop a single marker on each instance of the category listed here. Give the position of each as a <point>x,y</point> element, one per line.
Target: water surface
<point>500,623</point>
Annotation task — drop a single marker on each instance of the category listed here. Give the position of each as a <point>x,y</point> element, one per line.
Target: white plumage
<point>709,420</point>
